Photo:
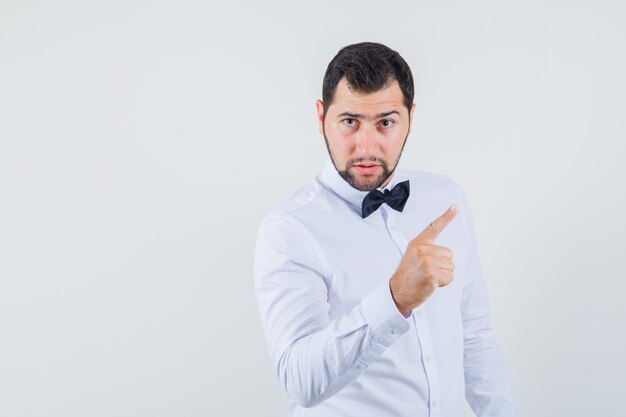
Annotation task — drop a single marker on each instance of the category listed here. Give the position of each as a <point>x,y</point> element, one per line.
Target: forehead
<point>388,98</point>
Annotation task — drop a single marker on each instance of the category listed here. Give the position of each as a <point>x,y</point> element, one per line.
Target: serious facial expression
<point>365,133</point>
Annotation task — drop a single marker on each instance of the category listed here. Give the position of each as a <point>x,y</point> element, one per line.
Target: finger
<point>445,277</point>
<point>431,233</point>
<point>430,249</point>
<point>445,264</point>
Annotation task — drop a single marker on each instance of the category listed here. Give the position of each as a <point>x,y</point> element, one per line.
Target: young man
<point>368,279</point>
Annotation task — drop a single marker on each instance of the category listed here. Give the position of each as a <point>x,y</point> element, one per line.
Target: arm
<point>315,357</point>
<point>489,387</point>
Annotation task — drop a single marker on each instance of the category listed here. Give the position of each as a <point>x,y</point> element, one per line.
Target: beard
<point>365,184</point>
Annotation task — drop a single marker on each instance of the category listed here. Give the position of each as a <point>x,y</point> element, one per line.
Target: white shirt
<point>338,343</point>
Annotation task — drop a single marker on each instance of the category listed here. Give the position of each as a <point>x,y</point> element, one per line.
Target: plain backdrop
<point>142,142</point>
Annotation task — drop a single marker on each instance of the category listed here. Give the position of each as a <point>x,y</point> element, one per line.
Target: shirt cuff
<point>386,322</point>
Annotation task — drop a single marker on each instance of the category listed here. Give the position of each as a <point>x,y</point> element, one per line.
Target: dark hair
<point>368,67</point>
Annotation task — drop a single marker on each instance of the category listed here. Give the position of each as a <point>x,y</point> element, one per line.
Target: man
<point>368,279</point>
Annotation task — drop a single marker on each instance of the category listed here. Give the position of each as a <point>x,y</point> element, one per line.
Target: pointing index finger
<point>435,227</point>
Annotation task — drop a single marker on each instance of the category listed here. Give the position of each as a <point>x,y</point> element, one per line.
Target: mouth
<point>366,168</point>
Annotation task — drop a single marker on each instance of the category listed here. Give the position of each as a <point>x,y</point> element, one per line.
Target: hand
<point>424,266</point>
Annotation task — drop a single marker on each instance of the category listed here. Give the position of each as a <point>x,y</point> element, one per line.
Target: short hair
<point>368,67</point>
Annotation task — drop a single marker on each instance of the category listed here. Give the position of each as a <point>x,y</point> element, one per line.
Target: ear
<point>411,117</point>
<point>320,115</point>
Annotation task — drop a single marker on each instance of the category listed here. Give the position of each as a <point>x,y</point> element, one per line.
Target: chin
<point>367,183</point>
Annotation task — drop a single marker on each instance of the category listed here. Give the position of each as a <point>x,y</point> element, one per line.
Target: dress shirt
<point>338,343</point>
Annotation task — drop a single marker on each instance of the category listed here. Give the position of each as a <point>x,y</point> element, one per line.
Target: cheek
<point>338,137</point>
<point>397,139</point>
<point>391,145</point>
<point>340,132</point>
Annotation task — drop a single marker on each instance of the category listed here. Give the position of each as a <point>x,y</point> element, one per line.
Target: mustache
<point>371,159</point>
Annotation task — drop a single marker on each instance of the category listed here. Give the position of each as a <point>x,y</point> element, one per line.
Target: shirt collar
<point>332,180</point>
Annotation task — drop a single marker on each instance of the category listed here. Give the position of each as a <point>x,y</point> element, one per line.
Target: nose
<point>366,141</point>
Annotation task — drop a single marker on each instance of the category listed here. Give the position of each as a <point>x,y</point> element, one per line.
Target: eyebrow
<point>361,116</point>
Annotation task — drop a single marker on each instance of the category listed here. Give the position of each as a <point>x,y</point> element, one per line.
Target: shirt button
<point>418,313</point>
<point>428,357</point>
<point>435,403</point>
<point>393,227</point>
<point>395,330</point>
<point>361,366</point>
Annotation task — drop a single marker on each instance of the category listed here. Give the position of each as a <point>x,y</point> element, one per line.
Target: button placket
<point>419,317</point>
<point>394,229</point>
<point>427,358</point>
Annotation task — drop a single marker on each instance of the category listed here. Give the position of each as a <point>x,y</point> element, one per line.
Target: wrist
<point>393,288</point>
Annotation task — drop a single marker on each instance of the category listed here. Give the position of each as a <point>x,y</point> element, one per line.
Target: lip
<point>366,169</point>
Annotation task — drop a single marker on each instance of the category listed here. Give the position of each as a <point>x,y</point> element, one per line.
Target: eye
<point>386,123</point>
<point>350,122</point>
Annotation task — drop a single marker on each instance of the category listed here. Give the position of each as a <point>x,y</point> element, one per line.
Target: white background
<point>141,143</point>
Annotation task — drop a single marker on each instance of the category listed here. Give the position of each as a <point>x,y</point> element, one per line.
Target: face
<point>365,133</point>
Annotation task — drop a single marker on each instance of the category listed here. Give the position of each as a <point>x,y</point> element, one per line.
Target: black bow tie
<point>396,198</point>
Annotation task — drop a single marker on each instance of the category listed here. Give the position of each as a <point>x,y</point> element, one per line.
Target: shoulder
<point>291,213</point>
<point>304,198</point>
<point>284,230</point>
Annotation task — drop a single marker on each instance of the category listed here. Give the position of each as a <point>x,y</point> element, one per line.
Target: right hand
<point>424,266</point>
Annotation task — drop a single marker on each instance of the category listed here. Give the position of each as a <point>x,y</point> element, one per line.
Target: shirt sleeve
<point>315,357</point>
<point>489,386</point>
